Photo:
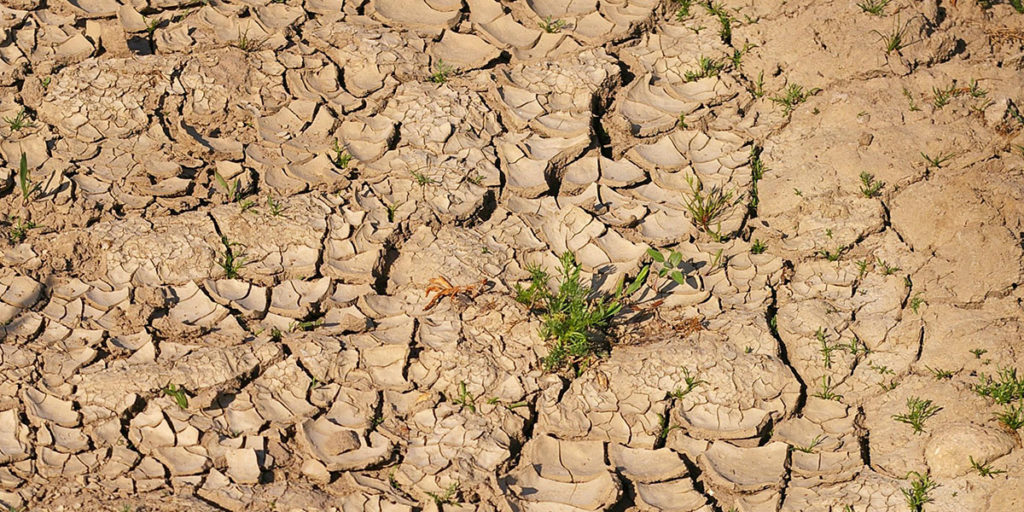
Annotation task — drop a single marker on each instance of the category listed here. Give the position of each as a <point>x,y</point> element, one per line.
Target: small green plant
<point>682,121</point>
<point>19,229</point>
<point>827,391</point>
<point>232,190</point>
<point>19,121</point>
<point>692,381</point>
<point>1004,389</point>
<point>918,410</point>
<point>442,71</point>
<point>179,395</point>
<point>448,497</point>
<point>975,90</point>
<point>833,254</point>
<point>757,88</point>
<point>537,292</point>
<point>669,265</point>
<point>683,11</point>
<point>875,7</point>
<point>810,447</point>
<point>862,268</point>
<point>717,260</point>
<point>275,206</point>
<point>910,98</point>
<point>882,369</point>
<point>887,269</point>
<point>231,261</point>
<point>706,207</point>
<point>305,325</point>
<point>1012,417</point>
<point>737,55</point>
<point>758,247</point>
<point>152,24</point>
<point>826,349</point>
<point>978,352</point>
<point>706,68</point>
<point>574,317</point>
<point>551,26</point>
<point>916,302</point>
<point>724,19</point>
<point>869,187</point>
<point>1018,5</point>
<point>917,494</point>
<point>793,96</point>
<point>465,399</point>
<point>341,157</point>
<point>757,169</point>
<point>893,41</point>
<point>25,179</point>
<point>940,374</point>
<point>45,81</point>
<point>247,205</point>
<point>937,161</point>
<point>248,44</point>
<point>664,428</point>
<point>985,469</point>
<point>856,347</point>
<point>943,96</point>
<point>422,179</point>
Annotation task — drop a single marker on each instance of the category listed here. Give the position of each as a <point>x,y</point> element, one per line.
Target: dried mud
<point>347,152</point>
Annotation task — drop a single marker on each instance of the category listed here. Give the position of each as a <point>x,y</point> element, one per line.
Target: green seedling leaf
<point>639,281</point>
<point>678,277</point>
<point>675,259</point>
<point>24,180</point>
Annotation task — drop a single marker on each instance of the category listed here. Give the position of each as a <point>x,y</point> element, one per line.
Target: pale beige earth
<point>539,142</point>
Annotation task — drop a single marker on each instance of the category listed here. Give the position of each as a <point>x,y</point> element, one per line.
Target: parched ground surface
<point>163,136</point>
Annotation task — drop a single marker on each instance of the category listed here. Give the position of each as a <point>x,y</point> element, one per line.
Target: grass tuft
<point>232,190</point>
<point>875,7</point>
<point>706,68</point>
<point>19,121</point>
<point>19,229</point>
<point>1012,417</point>
<point>248,44</point>
<point>894,40</point>
<point>231,261</point>
<point>707,207</point>
<point>793,96</point>
<point>442,71</point>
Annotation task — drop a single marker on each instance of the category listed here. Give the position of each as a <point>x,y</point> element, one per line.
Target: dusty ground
<point>482,141</point>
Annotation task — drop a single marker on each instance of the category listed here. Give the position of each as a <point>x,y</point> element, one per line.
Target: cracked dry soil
<point>213,273</point>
